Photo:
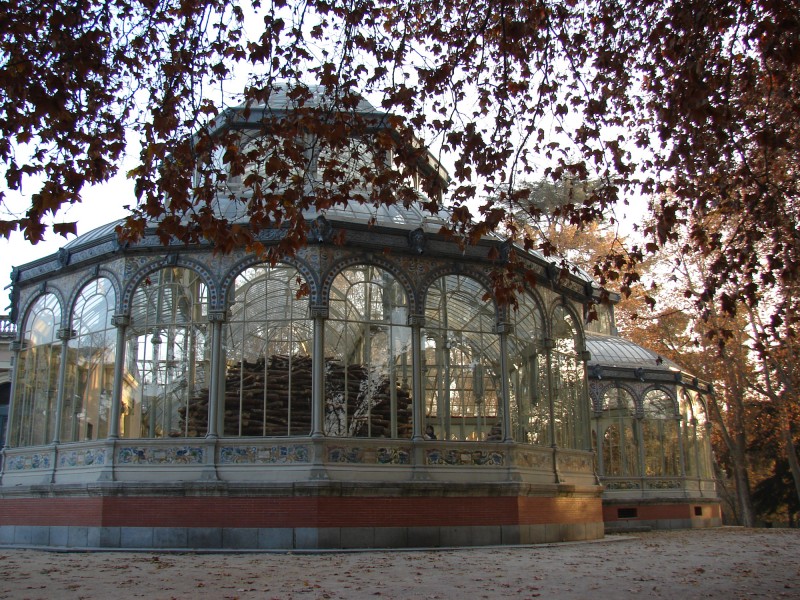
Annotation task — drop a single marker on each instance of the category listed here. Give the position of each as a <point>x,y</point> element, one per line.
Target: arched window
<point>527,364</point>
<point>568,381</point>
<point>660,435</point>
<point>368,369</point>
<point>90,364</point>
<point>167,357</point>
<point>36,391</point>
<point>462,361</point>
<point>620,451</point>
<point>696,445</point>
<point>268,355</point>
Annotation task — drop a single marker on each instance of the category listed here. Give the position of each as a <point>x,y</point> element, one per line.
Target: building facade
<point>368,392</point>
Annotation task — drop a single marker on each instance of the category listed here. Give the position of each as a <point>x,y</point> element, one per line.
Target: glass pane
<point>530,412</point>
<point>660,434</point>
<point>569,396</point>
<point>462,361</point>
<point>368,356</point>
<point>617,423</point>
<point>167,358</point>
<point>90,365</point>
<point>268,348</point>
<point>37,376</point>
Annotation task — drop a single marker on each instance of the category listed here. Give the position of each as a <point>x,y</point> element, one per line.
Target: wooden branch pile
<point>366,411</point>
<point>264,409</point>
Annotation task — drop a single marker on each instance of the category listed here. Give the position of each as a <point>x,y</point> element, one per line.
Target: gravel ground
<point>729,563</point>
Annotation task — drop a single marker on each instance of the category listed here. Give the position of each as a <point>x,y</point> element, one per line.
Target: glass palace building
<point>364,393</point>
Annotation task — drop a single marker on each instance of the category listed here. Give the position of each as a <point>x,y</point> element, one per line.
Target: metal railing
<point>7,327</point>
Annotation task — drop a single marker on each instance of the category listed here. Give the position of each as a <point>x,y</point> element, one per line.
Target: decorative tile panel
<point>665,484</point>
<point>379,456</point>
<point>82,458</point>
<point>173,455</point>
<point>29,462</point>
<point>575,464</point>
<point>465,457</point>
<point>623,485</point>
<point>261,455</point>
<point>534,460</point>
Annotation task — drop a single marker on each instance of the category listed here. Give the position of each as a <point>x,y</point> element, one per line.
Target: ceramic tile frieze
<point>665,484</point>
<point>574,464</point>
<point>82,458</point>
<point>534,460</point>
<point>623,485</point>
<point>271,454</point>
<point>379,456</point>
<point>28,462</point>
<point>162,455</point>
<point>465,457</point>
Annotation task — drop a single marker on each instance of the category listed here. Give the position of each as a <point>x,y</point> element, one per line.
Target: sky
<point>101,204</point>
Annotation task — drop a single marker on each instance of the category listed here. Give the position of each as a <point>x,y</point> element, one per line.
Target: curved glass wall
<point>167,358</point>
<point>462,362</point>
<point>660,435</point>
<point>696,456</point>
<point>36,391</point>
<point>266,367</point>
<point>368,364</point>
<point>90,364</point>
<point>268,355</point>
<point>530,412</point>
<point>617,431</point>
<point>570,410</point>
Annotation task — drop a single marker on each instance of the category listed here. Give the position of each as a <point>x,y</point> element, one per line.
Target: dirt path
<point>728,563</point>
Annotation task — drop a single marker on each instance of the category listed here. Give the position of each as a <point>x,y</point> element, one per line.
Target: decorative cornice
<point>318,311</point>
<point>65,334</point>
<point>121,320</point>
<point>218,316</point>
<point>416,320</point>
<point>504,327</point>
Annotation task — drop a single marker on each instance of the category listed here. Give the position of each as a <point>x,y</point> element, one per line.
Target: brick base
<point>316,517</point>
<point>681,514</point>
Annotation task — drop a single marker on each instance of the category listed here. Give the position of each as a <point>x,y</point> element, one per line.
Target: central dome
<point>320,161</point>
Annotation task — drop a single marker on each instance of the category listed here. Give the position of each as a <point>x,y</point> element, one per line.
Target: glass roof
<point>93,235</point>
<point>612,351</point>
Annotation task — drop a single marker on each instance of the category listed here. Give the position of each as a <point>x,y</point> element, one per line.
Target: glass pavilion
<point>370,393</point>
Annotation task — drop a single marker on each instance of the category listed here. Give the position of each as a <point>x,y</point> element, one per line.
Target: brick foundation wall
<point>138,511</point>
<point>684,510</point>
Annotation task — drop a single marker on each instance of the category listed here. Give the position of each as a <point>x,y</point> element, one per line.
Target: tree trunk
<point>791,451</point>
<point>737,450</point>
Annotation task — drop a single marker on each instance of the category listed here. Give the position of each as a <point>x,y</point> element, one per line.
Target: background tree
<point>693,98</point>
<point>755,405</point>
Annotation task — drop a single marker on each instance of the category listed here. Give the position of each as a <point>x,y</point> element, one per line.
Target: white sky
<point>101,204</point>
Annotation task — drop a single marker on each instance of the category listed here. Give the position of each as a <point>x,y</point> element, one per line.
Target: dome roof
<point>94,235</point>
<point>613,351</point>
<point>283,98</point>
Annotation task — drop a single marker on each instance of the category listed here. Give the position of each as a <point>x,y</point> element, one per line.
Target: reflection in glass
<point>167,358</point>
<point>36,389</point>
<point>568,380</point>
<point>696,445</point>
<point>90,365</point>
<point>620,451</point>
<point>660,435</point>
<point>530,413</point>
<point>462,361</point>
